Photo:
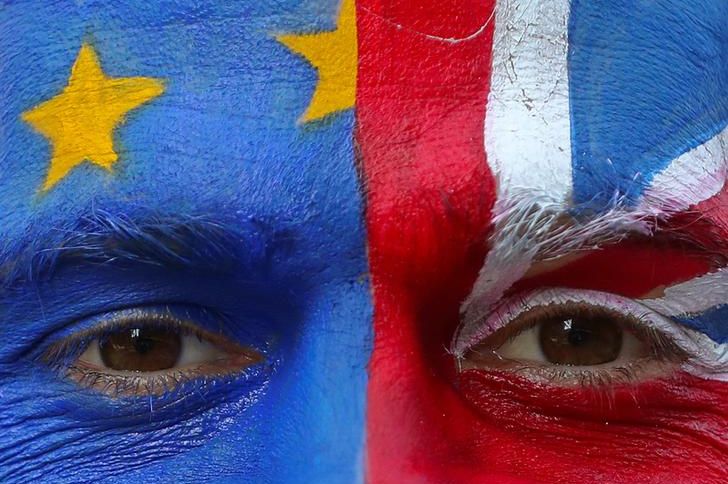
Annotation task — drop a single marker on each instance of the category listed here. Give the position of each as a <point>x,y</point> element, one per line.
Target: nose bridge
<point>420,111</point>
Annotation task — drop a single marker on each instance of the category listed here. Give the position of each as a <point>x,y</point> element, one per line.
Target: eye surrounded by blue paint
<point>220,199</point>
<point>148,351</point>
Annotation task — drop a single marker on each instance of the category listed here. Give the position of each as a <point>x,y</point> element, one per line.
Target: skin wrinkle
<point>637,406</point>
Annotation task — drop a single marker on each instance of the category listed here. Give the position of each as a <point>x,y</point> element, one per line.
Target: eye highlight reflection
<point>146,351</point>
<point>582,336</point>
<point>570,337</point>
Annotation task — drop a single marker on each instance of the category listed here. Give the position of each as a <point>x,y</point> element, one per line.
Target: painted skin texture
<point>271,212</point>
<point>351,248</point>
<point>429,191</point>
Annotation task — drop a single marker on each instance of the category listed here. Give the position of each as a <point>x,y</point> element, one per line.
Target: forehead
<point>648,83</point>
<point>589,104</point>
<point>223,136</point>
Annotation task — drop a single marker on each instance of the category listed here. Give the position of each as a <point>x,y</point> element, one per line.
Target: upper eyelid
<point>705,354</point>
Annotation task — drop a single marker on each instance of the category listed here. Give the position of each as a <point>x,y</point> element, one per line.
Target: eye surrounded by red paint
<point>575,337</point>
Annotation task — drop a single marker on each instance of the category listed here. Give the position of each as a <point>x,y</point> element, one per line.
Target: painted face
<point>345,241</point>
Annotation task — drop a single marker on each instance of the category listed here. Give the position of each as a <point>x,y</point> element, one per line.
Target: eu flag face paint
<point>157,166</point>
<point>363,241</point>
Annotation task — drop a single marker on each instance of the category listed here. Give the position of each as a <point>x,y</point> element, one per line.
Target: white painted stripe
<point>693,296</point>
<point>694,176</point>
<point>527,137</point>
<point>528,144</point>
<point>527,124</point>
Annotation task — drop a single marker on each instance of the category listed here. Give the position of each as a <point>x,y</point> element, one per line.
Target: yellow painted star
<point>80,121</point>
<point>334,55</point>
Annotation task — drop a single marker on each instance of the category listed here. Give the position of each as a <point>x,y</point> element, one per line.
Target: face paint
<point>232,174</point>
<point>154,162</point>
<point>632,115</point>
<point>590,167</point>
<point>699,303</point>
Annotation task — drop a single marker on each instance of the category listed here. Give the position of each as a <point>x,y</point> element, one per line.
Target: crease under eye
<point>147,351</point>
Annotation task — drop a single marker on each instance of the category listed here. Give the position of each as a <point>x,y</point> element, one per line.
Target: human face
<point>324,241</point>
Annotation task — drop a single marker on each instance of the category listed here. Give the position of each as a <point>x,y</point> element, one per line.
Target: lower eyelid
<point>117,383</point>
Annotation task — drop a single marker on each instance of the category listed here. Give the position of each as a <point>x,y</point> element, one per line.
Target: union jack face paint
<point>363,241</point>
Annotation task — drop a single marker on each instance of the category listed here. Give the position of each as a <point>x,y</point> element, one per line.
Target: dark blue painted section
<point>648,81</point>
<point>713,322</point>
<point>222,144</point>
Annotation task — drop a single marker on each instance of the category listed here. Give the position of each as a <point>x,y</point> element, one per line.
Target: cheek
<point>641,433</point>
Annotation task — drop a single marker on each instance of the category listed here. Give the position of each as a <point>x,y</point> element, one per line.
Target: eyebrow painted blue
<point>222,143</point>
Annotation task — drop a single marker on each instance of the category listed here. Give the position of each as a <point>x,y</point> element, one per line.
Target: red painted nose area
<point>421,107</point>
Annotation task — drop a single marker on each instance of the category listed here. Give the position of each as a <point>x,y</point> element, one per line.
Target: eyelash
<point>63,355</point>
<point>667,341</point>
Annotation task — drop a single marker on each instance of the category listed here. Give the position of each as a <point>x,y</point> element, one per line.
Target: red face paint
<point>420,109</point>
<point>706,222</point>
<point>657,431</point>
<point>630,269</point>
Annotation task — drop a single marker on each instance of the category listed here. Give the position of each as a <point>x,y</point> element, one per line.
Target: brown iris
<point>141,349</point>
<point>580,340</point>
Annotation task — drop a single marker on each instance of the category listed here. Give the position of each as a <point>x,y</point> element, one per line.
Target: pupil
<point>141,349</point>
<point>582,340</point>
<point>578,336</point>
<point>143,345</point>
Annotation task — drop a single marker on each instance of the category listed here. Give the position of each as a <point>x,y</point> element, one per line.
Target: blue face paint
<point>711,322</point>
<point>648,82</point>
<point>222,144</point>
